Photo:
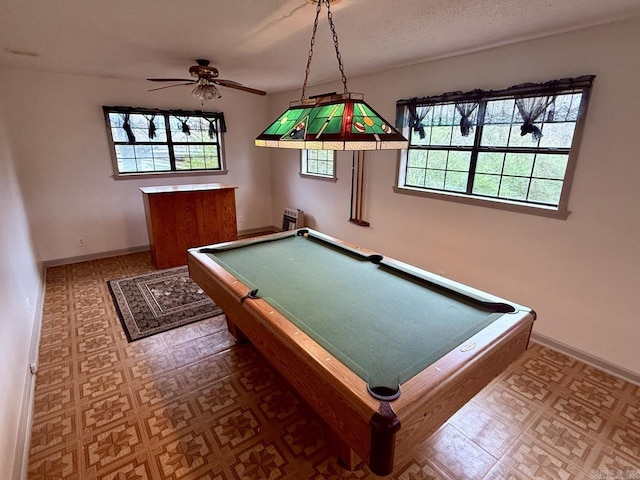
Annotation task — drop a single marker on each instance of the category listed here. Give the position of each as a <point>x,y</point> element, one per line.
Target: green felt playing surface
<point>384,325</point>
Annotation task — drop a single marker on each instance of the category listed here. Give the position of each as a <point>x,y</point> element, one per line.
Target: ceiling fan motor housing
<point>203,70</point>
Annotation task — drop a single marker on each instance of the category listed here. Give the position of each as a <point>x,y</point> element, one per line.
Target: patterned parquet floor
<point>190,404</point>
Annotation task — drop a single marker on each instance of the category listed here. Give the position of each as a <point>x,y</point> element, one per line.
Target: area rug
<point>158,301</point>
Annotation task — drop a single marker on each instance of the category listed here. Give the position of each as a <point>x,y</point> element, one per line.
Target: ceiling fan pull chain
<point>335,43</point>
<point>313,40</point>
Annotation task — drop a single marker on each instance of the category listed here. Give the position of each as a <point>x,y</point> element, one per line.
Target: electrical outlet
<point>82,241</point>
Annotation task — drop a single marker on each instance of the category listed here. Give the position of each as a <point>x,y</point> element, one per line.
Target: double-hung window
<point>318,164</point>
<point>150,141</point>
<point>514,148</point>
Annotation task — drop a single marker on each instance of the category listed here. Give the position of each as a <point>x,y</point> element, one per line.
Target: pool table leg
<point>235,331</point>
<point>347,457</point>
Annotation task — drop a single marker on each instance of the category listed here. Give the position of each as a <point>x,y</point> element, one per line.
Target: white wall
<point>62,156</point>
<point>581,275</point>
<point>20,291</point>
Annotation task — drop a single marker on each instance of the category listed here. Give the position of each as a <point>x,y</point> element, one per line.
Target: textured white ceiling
<point>264,43</point>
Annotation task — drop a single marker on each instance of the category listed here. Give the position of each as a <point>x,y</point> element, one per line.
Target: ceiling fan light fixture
<point>205,91</point>
<point>331,121</point>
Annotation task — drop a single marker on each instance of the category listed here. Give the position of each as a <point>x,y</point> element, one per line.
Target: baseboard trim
<point>94,256</point>
<point>124,251</point>
<point>253,231</point>
<point>587,358</point>
<point>23,442</point>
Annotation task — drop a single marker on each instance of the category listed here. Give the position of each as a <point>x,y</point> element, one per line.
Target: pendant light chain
<point>313,41</point>
<point>335,43</point>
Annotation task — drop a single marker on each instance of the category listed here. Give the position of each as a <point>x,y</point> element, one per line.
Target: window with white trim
<point>513,149</point>
<point>150,141</point>
<point>318,164</point>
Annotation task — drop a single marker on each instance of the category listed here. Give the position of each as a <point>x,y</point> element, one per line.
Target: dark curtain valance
<point>149,113</point>
<point>525,90</point>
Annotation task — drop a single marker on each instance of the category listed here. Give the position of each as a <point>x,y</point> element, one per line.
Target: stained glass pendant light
<point>331,121</point>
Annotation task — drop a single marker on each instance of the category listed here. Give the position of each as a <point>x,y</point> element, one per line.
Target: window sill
<point>139,175</point>
<point>318,177</point>
<point>500,204</point>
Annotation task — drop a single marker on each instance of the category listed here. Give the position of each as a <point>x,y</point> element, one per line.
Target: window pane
<point>179,132</point>
<point>550,166</point>
<point>486,184</point>
<point>116,120</point>
<point>211,159</point>
<point>514,188</point>
<point>437,159</point>
<point>459,161</point>
<point>119,135</point>
<point>456,181</point>
<point>415,177</point>
<point>127,165</point>
<point>416,140</point>
<point>557,135</point>
<point>500,112</point>
<point>160,134</point>
<point>495,135</point>
<point>567,107</point>
<point>434,179</point>
<point>441,135</point>
<point>161,157</point>
<point>518,164</point>
<point>457,139</point>
<point>417,158</point>
<point>196,154</point>
<point>181,153</point>
<point>489,163</point>
<point>516,139</point>
<point>441,115</point>
<point>545,191</point>
<point>144,164</point>
<point>125,151</point>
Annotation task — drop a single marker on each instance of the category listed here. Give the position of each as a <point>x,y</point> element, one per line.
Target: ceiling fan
<point>205,79</point>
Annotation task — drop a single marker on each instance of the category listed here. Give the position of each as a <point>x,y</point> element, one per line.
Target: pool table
<point>383,351</point>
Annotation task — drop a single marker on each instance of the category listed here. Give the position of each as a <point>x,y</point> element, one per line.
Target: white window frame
<point>307,155</point>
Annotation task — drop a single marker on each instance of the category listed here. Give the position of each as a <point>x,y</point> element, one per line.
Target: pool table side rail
<point>483,298</point>
<point>327,239</point>
<point>431,397</point>
<point>307,366</point>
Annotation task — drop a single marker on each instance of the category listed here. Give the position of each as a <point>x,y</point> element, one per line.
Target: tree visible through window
<point>146,141</point>
<point>318,163</point>
<point>514,147</point>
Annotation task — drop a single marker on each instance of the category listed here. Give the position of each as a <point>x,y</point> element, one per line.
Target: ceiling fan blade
<point>237,86</point>
<point>224,82</point>
<point>169,86</point>
<point>171,80</point>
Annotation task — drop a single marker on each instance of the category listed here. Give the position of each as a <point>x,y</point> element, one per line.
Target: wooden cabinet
<point>184,216</point>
